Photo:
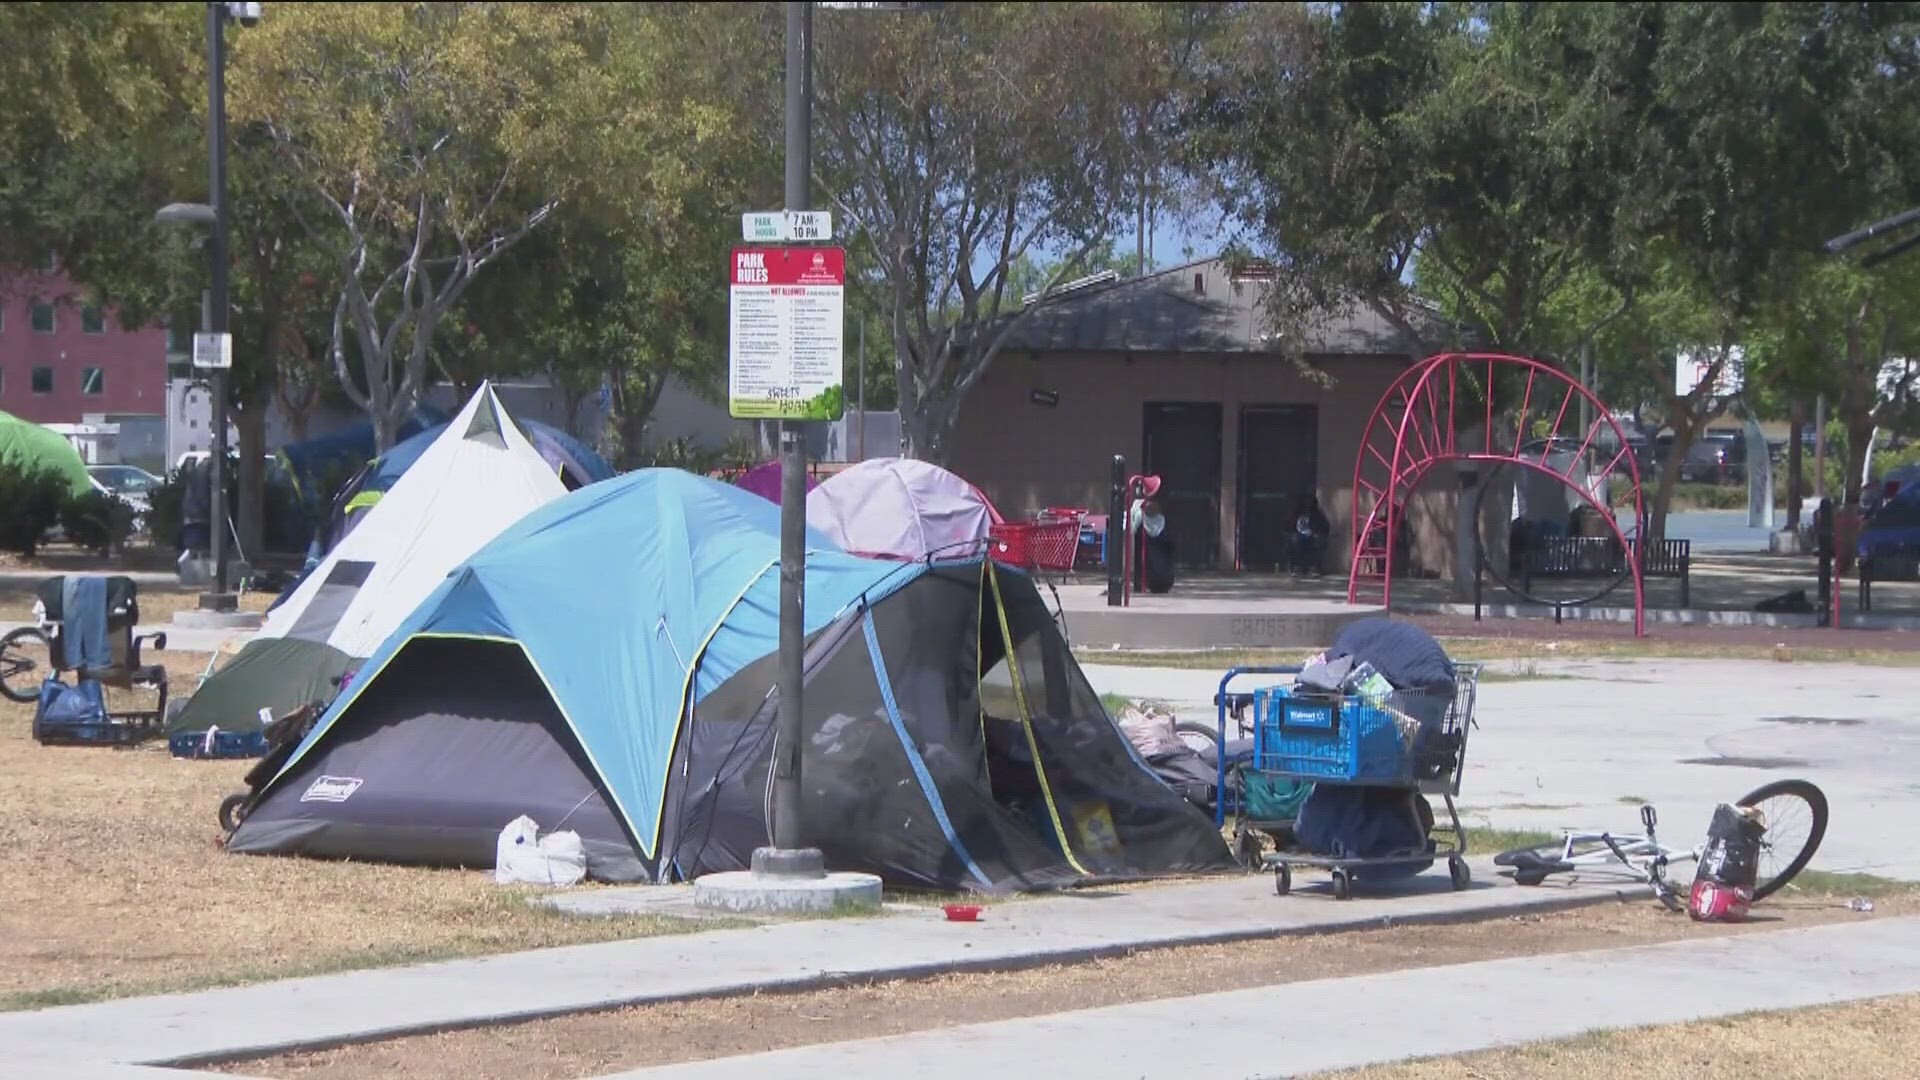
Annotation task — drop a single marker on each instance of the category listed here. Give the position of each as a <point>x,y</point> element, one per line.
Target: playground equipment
<point>1446,410</point>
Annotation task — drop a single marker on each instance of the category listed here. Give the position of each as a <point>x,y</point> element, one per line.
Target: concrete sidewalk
<point>1310,1027</point>
<point>360,1006</point>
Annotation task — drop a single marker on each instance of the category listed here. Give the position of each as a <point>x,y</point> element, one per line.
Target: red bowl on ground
<point>962,912</point>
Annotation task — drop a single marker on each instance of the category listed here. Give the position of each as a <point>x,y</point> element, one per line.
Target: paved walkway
<point>1310,1027</point>
<point>358,1006</point>
<point>1572,744</point>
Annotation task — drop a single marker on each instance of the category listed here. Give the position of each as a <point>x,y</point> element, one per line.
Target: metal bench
<point>1600,556</point>
<point>1889,562</point>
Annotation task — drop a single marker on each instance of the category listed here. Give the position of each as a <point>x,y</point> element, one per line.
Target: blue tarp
<point>309,461</point>
<point>556,448</point>
<point>614,592</point>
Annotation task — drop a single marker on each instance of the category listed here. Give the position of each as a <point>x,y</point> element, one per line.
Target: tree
<point>97,131</point>
<point>623,290</point>
<point>1413,156</point>
<point>954,143</point>
<point>436,136</point>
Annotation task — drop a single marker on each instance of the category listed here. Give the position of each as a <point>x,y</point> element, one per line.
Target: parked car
<point>125,482</point>
<point>1715,459</point>
<point>1895,523</point>
<point>1898,481</point>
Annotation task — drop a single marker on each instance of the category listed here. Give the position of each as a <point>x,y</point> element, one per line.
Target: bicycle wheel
<point>1795,813</point>
<point>25,662</point>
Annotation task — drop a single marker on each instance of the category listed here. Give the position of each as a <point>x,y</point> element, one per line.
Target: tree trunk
<point>1681,419</point>
<point>926,430</point>
<point>1796,483</point>
<point>1860,430</point>
<point>250,421</point>
<point>628,413</point>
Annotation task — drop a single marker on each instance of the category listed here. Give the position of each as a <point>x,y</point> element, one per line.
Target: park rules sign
<point>786,312</point>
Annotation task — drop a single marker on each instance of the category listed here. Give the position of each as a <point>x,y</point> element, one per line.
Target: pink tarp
<point>898,508</point>
<point>764,481</point>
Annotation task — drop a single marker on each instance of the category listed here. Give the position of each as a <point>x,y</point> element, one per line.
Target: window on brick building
<point>43,380</point>
<point>92,320</point>
<point>43,318</point>
<point>93,381</point>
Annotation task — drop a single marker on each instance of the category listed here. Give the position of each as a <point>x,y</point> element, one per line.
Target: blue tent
<point>577,464</point>
<point>610,663</point>
<point>309,461</point>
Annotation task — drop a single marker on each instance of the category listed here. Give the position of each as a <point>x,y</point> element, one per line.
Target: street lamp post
<point>214,311</point>
<point>217,16</point>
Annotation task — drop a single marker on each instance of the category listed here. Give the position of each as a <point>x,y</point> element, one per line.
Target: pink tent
<point>898,508</point>
<point>764,481</point>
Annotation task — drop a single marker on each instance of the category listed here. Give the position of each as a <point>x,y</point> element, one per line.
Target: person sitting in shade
<point>1310,531</point>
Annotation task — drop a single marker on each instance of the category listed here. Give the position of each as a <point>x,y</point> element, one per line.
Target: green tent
<point>30,446</point>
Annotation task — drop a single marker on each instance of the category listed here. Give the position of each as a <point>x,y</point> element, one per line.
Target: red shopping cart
<point>1048,542</point>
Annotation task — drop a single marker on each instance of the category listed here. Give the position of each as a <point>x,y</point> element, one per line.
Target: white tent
<point>479,477</point>
<point>899,508</point>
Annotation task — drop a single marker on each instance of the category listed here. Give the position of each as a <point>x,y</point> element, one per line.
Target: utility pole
<point>793,474</point>
<point>217,15</point>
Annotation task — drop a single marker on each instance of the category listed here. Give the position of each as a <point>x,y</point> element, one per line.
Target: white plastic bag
<point>524,857</point>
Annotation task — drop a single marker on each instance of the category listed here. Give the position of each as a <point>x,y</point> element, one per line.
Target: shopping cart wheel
<point>1342,885</point>
<point>1462,876</point>
<point>1282,879</point>
<point>233,810</point>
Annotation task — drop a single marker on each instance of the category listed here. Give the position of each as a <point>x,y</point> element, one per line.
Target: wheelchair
<point>85,720</point>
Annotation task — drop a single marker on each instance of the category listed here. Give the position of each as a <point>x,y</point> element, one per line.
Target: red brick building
<point>61,358</point>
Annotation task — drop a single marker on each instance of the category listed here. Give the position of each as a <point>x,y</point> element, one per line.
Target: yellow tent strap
<point>1026,722</point>
<point>980,658</point>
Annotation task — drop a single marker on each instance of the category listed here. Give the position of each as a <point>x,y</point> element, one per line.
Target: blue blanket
<point>83,618</point>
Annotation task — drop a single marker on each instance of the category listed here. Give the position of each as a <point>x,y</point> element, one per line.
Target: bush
<point>97,521</point>
<point>163,511</point>
<point>30,502</point>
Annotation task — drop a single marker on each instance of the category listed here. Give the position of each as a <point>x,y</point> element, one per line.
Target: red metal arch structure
<point>1416,427</point>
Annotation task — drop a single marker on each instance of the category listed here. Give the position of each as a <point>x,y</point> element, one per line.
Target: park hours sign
<point>786,310</point>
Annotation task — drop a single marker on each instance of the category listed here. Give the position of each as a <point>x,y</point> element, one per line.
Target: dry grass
<point>598,1043</point>
<point>116,885</point>
<point>1836,1042</point>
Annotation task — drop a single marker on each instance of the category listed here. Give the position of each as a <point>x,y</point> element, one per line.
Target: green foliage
<point>96,521</point>
<point>952,143</point>
<point>30,503</point>
<point>828,404</point>
<point>165,510</point>
<point>685,453</point>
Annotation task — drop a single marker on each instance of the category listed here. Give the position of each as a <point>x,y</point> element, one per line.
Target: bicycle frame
<point>1641,853</point>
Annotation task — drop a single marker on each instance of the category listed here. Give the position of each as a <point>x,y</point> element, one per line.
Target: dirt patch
<point>593,1044</point>
<point>1816,721</point>
<point>1747,762</point>
<point>116,886</point>
<point>1833,1042</point>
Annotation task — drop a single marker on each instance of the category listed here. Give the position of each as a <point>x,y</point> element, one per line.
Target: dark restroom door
<point>1183,448</point>
<point>1279,462</point>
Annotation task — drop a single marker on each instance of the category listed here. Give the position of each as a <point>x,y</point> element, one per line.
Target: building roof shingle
<point>1199,307</point>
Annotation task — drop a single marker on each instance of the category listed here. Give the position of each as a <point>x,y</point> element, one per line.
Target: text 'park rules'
<point>786,327</point>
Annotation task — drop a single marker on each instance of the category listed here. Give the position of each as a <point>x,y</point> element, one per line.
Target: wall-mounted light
<point>1045,398</point>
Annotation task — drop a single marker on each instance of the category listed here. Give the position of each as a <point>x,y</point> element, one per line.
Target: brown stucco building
<point>1178,372</point>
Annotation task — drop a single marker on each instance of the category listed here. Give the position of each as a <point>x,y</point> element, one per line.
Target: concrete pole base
<point>787,882</point>
<point>1785,542</point>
